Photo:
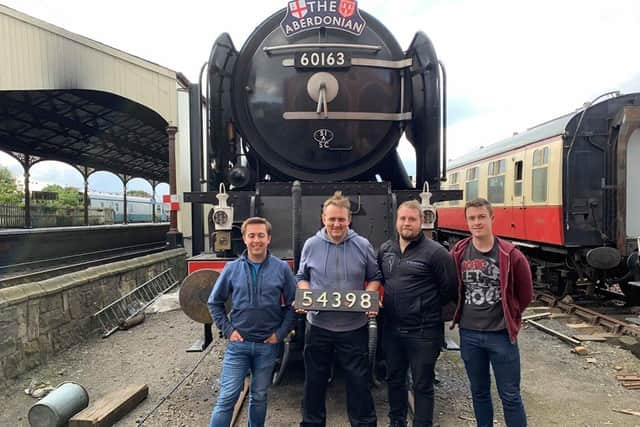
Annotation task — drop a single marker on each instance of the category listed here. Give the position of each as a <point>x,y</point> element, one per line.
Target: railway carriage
<point>566,192</point>
<point>139,209</point>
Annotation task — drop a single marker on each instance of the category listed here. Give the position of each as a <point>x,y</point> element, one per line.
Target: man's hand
<point>235,336</point>
<point>303,284</point>
<point>273,339</point>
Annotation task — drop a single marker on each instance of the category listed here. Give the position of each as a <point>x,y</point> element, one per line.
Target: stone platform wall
<point>40,319</point>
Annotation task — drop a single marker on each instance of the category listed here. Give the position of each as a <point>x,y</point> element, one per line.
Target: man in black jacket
<point>419,277</point>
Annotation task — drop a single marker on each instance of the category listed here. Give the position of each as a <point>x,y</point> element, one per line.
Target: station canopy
<point>96,129</point>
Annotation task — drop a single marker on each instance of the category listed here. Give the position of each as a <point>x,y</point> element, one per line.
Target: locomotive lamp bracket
<point>428,210</point>
<point>222,213</point>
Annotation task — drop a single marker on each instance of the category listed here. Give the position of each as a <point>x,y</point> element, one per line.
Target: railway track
<point>16,274</point>
<point>595,318</point>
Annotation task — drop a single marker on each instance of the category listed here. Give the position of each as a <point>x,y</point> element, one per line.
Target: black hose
<point>373,347</point>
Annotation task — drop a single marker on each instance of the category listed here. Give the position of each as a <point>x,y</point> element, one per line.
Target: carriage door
<point>516,181</point>
<point>633,195</point>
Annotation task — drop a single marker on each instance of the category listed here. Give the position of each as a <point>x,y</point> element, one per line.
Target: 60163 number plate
<point>322,59</point>
<point>336,300</point>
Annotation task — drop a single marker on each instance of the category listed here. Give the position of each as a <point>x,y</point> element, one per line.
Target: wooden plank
<point>555,333</point>
<point>110,408</point>
<point>579,325</point>
<point>238,406</point>
<point>627,377</point>
<point>626,411</point>
<point>590,338</point>
<point>536,316</point>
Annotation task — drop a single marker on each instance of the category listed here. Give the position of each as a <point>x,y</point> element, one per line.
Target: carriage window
<point>517,179</point>
<point>471,186</point>
<point>539,175</point>
<point>453,185</point>
<point>495,182</point>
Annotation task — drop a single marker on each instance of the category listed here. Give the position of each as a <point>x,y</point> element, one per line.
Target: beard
<point>409,234</point>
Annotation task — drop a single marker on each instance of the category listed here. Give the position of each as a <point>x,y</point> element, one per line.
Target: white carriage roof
<point>537,133</point>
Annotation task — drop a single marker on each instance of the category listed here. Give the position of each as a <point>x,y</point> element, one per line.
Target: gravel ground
<point>560,388</point>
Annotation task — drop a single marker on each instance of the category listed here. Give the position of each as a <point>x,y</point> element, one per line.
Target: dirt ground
<point>560,388</point>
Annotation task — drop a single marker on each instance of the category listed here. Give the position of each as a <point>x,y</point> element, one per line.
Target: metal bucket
<point>55,409</point>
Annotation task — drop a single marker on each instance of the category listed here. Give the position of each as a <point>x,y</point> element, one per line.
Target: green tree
<point>9,193</point>
<point>68,197</point>
<point>138,193</point>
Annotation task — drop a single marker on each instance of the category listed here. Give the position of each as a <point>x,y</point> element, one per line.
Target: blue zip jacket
<point>257,310</point>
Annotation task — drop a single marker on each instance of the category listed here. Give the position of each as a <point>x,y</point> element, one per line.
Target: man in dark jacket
<point>494,288</point>
<point>419,278</point>
<point>262,288</point>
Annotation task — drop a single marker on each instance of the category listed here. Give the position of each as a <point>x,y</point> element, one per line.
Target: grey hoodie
<point>346,265</point>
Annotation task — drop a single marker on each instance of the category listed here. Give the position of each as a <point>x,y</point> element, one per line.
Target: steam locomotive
<point>315,101</point>
<point>566,192</point>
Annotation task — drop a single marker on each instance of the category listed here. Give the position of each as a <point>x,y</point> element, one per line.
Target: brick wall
<point>43,318</point>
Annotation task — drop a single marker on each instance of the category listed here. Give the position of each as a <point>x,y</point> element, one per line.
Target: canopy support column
<point>174,238</point>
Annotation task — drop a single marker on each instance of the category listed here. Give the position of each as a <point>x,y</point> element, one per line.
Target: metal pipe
<point>203,153</point>
<point>444,122</point>
<point>296,222</point>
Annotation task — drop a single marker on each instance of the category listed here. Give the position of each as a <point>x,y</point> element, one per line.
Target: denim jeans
<point>418,350</point>
<point>479,349</point>
<point>241,357</point>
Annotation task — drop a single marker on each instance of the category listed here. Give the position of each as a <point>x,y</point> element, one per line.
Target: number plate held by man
<point>336,300</point>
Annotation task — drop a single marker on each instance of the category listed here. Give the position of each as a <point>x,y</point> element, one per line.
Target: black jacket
<point>417,283</point>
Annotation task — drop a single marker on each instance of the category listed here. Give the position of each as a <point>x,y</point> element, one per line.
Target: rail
<point>612,324</point>
<point>20,276</point>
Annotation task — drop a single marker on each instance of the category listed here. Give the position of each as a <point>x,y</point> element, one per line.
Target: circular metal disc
<point>194,293</point>
<point>603,258</point>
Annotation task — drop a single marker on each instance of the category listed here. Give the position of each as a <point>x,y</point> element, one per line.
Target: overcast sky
<point>510,64</point>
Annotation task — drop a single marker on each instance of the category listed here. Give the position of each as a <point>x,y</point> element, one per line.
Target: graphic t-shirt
<point>482,308</point>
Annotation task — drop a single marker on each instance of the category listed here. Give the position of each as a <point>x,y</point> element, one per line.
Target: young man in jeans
<point>258,284</point>
<point>494,288</point>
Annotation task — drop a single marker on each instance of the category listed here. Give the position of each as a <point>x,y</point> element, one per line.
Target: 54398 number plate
<point>336,300</point>
<point>322,59</point>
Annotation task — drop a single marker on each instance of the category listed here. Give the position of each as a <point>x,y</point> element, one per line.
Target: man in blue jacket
<point>337,258</point>
<point>262,288</point>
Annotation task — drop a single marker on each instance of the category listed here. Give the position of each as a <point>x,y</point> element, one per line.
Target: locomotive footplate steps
<point>129,305</point>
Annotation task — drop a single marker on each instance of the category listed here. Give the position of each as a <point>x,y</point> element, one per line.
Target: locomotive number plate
<point>336,300</point>
<point>322,59</point>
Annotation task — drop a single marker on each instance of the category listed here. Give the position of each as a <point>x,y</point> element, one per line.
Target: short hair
<point>478,203</point>
<point>338,200</point>
<point>256,220</point>
<point>412,204</point>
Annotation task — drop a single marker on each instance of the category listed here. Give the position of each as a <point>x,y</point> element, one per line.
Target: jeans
<point>241,357</point>
<point>479,349</point>
<point>352,352</point>
<point>418,350</point>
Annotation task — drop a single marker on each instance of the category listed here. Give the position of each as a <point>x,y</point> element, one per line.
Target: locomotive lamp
<point>428,210</point>
<point>223,221</point>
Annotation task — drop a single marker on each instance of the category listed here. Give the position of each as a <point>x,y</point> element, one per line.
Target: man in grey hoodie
<point>337,258</point>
